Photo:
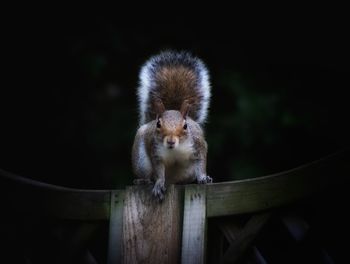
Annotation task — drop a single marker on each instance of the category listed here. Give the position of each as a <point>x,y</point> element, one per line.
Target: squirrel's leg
<point>200,163</point>
<point>159,176</point>
<point>200,172</point>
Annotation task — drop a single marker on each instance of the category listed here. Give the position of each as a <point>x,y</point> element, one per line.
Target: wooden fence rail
<point>143,231</point>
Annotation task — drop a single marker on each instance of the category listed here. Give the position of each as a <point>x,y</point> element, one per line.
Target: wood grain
<point>257,194</point>
<point>151,230</point>
<point>194,225</point>
<point>114,255</point>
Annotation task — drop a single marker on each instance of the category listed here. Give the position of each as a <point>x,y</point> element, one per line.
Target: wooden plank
<point>194,225</point>
<point>31,196</point>
<point>245,237</point>
<point>78,205</point>
<point>152,229</point>
<point>227,198</point>
<point>230,228</point>
<point>115,227</point>
<point>256,194</point>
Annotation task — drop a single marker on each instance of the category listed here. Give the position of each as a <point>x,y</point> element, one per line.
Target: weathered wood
<point>252,195</point>
<point>194,225</point>
<point>230,228</point>
<point>79,205</point>
<point>151,230</point>
<point>32,196</point>
<point>245,237</point>
<point>115,228</point>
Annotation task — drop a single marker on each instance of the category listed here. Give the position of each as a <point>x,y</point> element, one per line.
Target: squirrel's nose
<point>171,142</point>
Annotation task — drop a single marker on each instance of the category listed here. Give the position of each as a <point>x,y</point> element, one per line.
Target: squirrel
<point>169,147</point>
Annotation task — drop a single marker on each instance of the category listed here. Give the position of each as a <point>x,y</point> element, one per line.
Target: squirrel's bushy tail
<point>174,77</point>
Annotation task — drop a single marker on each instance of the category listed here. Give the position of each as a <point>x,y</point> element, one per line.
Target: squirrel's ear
<point>159,107</point>
<point>185,108</point>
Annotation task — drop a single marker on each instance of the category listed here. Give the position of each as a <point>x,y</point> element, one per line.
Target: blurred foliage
<point>72,114</point>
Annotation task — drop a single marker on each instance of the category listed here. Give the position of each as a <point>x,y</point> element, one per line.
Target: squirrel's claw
<point>159,191</point>
<point>205,179</point>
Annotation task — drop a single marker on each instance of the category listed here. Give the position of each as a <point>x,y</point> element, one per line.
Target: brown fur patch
<point>176,84</point>
<point>172,124</point>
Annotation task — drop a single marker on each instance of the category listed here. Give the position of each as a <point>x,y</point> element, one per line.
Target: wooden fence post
<point>194,225</point>
<point>115,227</point>
<point>151,230</point>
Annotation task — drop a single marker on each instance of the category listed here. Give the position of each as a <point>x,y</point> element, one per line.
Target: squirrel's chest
<point>180,155</point>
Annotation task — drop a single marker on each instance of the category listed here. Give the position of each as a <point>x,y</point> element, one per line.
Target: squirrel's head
<point>172,125</point>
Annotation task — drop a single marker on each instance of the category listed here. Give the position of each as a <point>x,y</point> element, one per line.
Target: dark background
<point>69,112</point>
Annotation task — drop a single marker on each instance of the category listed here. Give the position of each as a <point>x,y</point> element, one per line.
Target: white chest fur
<point>181,154</point>
<point>177,163</point>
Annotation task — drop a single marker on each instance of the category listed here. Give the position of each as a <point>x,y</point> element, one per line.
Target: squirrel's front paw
<point>159,190</point>
<point>204,179</point>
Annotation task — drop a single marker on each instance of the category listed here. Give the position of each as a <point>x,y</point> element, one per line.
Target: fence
<point>142,230</point>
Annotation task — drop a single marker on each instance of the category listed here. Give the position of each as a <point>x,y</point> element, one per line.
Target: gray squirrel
<point>169,146</point>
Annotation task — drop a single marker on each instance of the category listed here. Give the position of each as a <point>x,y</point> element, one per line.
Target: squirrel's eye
<point>158,124</point>
<point>185,126</point>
